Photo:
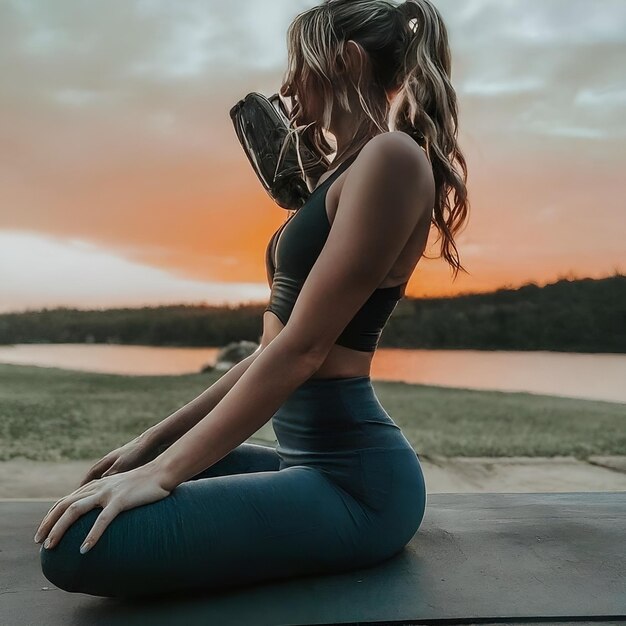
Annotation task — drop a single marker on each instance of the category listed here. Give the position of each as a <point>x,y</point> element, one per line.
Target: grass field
<point>54,414</point>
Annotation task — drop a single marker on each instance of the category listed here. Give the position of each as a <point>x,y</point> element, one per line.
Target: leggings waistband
<point>346,380</point>
<point>348,396</point>
<point>325,414</point>
<point>351,384</point>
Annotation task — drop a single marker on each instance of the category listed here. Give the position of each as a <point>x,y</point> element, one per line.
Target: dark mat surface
<point>524,556</point>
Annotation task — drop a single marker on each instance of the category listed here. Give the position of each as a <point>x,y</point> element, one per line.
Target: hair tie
<point>408,11</point>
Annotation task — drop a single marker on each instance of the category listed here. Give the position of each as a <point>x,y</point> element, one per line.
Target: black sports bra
<point>301,239</point>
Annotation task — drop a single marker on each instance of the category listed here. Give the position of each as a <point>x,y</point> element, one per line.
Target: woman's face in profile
<point>310,109</point>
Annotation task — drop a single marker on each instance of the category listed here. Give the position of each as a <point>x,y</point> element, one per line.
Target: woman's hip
<point>339,426</point>
<point>335,415</point>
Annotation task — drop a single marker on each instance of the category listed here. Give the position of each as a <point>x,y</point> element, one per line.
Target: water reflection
<point>593,376</point>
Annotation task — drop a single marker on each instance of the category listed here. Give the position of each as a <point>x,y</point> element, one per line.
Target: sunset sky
<point>123,183</point>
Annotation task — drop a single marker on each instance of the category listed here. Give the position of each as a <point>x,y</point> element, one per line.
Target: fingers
<point>114,469</point>
<point>69,516</point>
<point>108,514</point>
<point>57,509</point>
<point>96,471</point>
<point>87,479</point>
<point>76,491</point>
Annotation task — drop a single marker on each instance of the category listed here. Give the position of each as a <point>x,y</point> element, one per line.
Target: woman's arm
<point>178,423</point>
<point>383,198</point>
<point>249,404</point>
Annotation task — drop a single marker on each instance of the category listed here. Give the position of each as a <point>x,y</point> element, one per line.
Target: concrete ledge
<point>24,478</point>
<point>541,557</point>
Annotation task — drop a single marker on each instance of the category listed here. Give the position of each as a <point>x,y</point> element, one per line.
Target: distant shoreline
<point>583,316</point>
<point>571,375</point>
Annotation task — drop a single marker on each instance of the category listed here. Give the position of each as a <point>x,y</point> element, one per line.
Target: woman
<point>189,504</point>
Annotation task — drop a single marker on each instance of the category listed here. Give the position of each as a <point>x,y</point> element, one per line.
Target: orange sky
<point>123,182</point>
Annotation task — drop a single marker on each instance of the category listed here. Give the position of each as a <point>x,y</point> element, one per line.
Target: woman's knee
<point>63,564</point>
<point>101,570</point>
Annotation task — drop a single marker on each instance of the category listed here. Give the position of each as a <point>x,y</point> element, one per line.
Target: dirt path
<point>22,478</point>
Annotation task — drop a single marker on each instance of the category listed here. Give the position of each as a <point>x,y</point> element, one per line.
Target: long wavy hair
<point>403,84</point>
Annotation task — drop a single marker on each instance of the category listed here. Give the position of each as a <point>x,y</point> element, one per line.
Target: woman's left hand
<point>115,493</point>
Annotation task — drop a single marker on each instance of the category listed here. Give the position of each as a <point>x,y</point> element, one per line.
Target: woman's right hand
<point>133,454</point>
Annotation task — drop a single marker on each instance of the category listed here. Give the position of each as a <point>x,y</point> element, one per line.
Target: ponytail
<point>425,107</point>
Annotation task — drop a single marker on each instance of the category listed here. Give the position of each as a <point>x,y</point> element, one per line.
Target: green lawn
<point>55,414</point>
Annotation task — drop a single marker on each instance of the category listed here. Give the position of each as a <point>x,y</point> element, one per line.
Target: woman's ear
<point>353,57</point>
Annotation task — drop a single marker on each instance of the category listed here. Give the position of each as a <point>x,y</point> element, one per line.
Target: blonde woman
<point>343,489</point>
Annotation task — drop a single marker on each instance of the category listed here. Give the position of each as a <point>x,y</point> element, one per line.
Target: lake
<point>591,376</point>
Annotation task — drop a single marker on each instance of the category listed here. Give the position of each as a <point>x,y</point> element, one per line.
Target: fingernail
<point>46,544</point>
<point>36,538</point>
<point>85,547</point>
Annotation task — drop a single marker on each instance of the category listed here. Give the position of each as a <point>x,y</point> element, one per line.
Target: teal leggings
<point>343,489</point>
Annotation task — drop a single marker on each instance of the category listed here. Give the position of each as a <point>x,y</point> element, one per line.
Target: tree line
<point>581,315</point>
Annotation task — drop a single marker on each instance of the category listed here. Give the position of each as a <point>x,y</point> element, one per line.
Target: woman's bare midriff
<point>342,362</point>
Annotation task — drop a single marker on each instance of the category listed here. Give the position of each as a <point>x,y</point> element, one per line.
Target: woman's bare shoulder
<point>391,164</point>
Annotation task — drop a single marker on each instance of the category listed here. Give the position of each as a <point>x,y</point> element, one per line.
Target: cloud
<point>609,97</point>
<point>492,89</point>
<point>38,271</point>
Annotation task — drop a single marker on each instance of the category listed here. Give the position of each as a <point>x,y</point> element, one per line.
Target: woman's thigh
<point>245,458</point>
<point>215,533</point>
